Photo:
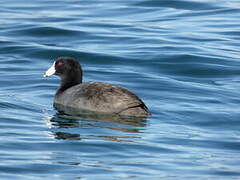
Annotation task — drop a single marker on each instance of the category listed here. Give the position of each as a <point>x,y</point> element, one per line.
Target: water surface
<point>180,57</point>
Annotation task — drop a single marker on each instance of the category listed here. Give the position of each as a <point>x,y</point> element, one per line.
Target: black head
<point>68,69</point>
<point>65,66</point>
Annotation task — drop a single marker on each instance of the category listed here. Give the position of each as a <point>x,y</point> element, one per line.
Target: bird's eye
<point>59,63</point>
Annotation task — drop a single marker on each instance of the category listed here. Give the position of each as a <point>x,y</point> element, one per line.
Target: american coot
<point>92,96</point>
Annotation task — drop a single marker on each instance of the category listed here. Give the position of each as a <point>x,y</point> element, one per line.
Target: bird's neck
<point>69,81</point>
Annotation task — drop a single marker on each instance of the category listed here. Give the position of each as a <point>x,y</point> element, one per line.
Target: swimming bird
<point>92,96</point>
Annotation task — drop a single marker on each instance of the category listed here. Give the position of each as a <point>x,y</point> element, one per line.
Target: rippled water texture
<point>181,57</point>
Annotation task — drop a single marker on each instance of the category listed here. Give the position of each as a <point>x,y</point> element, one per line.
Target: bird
<point>96,97</point>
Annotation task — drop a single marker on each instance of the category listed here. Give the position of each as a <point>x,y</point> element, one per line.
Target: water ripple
<point>180,57</point>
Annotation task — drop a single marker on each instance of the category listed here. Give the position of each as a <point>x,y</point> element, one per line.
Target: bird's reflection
<point>61,122</point>
<point>64,135</point>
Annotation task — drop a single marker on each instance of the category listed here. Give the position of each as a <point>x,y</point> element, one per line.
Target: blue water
<point>182,57</point>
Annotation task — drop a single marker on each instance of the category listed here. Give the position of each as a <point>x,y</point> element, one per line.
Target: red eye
<point>59,63</point>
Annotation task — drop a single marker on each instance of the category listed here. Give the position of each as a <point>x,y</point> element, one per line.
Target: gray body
<point>101,97</point>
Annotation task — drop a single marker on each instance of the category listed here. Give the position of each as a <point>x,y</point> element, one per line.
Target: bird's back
<point>102,97</point>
